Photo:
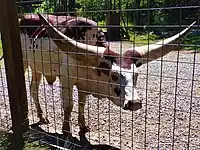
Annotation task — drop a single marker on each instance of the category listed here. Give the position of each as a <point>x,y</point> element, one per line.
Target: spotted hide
<point>80,56</point>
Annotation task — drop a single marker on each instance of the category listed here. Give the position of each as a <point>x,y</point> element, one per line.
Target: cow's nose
<point>133,105</point>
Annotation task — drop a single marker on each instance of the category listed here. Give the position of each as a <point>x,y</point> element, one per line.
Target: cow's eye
<point>117,91</point>
<point>114,77</point>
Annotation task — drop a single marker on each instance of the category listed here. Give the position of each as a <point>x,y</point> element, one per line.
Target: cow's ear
<point>110,55</point>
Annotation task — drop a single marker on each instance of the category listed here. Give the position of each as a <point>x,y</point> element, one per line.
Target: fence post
<point>11,44</point>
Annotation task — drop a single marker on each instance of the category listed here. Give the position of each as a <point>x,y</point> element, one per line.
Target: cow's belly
<point>47,63</point>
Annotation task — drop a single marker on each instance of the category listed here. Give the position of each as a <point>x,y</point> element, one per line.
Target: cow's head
<point>119,72</point>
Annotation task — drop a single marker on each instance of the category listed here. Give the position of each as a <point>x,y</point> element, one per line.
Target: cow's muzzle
<point>133,105</point>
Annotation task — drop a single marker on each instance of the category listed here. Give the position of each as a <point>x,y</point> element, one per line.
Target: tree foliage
<point>94,9</point>
<point>88,8</point>
<point>137,12</point>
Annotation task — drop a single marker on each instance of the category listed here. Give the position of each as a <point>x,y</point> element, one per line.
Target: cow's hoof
<point>44,120</point>
<point>133,106</point>
<point>84,130</point>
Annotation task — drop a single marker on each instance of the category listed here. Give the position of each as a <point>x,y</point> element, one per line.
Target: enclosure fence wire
<point>168,87</point>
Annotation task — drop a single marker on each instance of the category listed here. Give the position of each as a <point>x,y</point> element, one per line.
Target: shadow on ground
<point>57,141</point>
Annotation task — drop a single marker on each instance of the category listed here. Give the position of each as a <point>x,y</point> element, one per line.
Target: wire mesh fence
<point>78,87</point>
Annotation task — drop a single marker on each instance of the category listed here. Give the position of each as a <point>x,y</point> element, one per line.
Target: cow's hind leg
<point>66,94</point>
<point>36,77</point>
<point>81,117</point>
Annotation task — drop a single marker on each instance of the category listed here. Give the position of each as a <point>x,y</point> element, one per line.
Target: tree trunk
<point>67,6</point>
<point>137,12</point>
<point>113,23</point>
<point>113,26</point>
<point>150,12</point>
<point>71,7</point>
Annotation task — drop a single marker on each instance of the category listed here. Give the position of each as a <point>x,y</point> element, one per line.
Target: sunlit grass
<point>28,145</point>
<point>192,42</point>
<point>143,39</point>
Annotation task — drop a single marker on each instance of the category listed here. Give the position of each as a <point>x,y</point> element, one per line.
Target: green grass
<point>3,141</point>
<point>192,43</point>
<point>143,39</point>
<point>35,146</point>
<point>4,144</point>
<point>139,39</point>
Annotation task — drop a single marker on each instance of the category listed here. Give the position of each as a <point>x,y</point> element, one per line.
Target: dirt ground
<point>170,115</point>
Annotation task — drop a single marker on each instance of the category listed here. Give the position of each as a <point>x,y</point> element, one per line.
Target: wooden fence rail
<point>10,36</point>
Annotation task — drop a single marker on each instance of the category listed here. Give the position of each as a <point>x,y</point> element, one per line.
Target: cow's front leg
<point>36,77</point>
<point>67,98</point>
<point>81,117</point>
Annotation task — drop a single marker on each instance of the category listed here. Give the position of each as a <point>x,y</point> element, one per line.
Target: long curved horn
<point>79,51</point>
<point>159,49</point>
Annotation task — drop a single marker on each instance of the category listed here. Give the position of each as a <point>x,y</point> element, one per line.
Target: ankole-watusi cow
<point>90,65</point>
<point>43,56</point>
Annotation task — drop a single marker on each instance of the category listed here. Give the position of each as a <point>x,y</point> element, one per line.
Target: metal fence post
<point>11,44</point>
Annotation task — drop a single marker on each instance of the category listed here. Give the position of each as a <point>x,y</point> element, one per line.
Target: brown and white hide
<point>44,58</point>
